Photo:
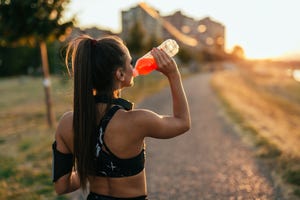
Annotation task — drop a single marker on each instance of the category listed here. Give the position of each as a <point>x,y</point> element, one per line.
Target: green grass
<point>25,139</point>
<point>7,167</point>
<point>297,192</point>
<point>293,177</point>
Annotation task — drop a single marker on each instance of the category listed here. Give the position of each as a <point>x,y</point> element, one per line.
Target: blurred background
<point>251,48</point>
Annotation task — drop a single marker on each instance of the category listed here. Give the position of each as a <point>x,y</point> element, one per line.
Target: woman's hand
<point>165,63</point>
<point>166,126</point>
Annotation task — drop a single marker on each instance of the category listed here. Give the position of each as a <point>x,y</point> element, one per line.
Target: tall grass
<point>265,102</point>
<point>25,139</point>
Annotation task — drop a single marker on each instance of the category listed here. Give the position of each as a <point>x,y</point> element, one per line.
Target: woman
<point>102,141</point>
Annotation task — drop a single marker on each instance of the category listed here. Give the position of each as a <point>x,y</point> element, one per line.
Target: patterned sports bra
<point>106,163</point>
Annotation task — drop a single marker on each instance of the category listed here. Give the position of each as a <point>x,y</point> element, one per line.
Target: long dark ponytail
<point>93,65</point>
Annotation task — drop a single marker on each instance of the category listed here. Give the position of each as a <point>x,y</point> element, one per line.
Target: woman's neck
<point>117,94</point>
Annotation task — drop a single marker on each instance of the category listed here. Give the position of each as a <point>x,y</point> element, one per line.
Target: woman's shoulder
<point>64,131</point>
<point>66,120</point>
<point>68,114</point>
<point>138,114</point>
<point>139,117</point>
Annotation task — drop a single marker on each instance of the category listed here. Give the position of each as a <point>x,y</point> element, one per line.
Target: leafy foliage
<point>238,52</point>
<point>28,21</point>
<point>136,35</point>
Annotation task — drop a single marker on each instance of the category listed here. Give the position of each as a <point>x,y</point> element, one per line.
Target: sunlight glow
<point>264,29</point>
<point>220,41</point>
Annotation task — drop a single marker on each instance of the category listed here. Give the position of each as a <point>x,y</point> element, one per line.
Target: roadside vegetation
<point>263,100</point>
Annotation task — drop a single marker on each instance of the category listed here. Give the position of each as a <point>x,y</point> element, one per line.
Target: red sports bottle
<point>147,64</point>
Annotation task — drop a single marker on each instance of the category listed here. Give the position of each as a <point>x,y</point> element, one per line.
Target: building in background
<point>93,32</point>
<point>204,39</point>
<point>204,34</point>
<point>147,20</point>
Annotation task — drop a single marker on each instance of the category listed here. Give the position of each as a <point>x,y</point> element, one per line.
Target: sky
<point>264,28</point>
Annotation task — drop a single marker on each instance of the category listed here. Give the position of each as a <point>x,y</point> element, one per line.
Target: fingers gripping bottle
<point>147,64</point>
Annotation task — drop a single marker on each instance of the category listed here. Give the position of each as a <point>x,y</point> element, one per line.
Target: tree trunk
<point>47,84</point>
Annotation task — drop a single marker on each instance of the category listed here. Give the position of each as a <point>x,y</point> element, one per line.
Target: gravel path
<point>210,161</point>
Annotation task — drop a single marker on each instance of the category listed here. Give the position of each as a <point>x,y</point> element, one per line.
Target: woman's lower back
<point>125,187</point>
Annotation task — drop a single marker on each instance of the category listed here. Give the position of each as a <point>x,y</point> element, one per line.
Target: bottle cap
<point>170,47</point>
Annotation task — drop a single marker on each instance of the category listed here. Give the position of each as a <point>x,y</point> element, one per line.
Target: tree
<point>238,52</point>
<point>135,40</point>
<point>153,41</point>
<point>185,55</point>
<point>32,22</point>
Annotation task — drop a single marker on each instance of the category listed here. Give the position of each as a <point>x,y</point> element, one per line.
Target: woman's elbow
<point>186,126</point>
<point>60,189</point>
<point>183,126</point>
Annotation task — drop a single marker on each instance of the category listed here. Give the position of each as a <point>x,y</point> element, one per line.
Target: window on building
<point>209,41</point>
<point>185,29</point>
<point>202,28</point>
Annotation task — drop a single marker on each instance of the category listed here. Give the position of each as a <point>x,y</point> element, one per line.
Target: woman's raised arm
<point>159,126</point>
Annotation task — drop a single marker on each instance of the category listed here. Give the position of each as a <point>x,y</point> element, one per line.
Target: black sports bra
<point>108,164</point>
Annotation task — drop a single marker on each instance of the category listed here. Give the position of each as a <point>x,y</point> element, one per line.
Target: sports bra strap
<point>104,122</point>
<point>107,117</point>
<point>127,105</point>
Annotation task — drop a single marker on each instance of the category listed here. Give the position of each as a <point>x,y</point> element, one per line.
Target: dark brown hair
<point>94,63</point>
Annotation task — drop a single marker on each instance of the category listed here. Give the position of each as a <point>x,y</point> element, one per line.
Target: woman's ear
<point>120,75</point>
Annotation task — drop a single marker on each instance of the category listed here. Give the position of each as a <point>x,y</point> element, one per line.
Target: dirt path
<point>208,162</point>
